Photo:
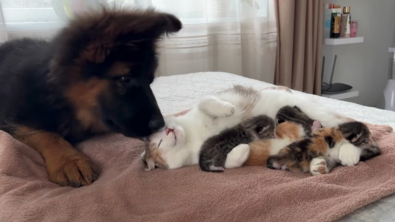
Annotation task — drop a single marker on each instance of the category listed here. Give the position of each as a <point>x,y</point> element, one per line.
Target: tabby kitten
<point>346,144</point>
<point>216,148</point>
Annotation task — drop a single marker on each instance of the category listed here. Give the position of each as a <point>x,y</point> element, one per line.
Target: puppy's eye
<point>159,143</point>
<point>125,79</point>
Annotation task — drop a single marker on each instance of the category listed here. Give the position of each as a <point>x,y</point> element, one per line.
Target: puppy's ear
<point>94,36</point>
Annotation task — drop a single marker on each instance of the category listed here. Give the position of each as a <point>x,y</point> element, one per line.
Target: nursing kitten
<point>216,148</point>
<point>293,125</point>
<point>294,114</point>
<point>345,144</point>
<point>261,150</point>
<point>179,143</point>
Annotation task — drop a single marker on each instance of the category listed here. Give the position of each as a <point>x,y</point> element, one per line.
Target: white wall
<point>365,65</point>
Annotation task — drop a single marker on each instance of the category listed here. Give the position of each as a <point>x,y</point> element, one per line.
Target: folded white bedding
<point>179,92</point>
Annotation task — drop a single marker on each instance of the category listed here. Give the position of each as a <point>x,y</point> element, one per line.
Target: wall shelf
<point>343,41</point>
<point>343,95</point>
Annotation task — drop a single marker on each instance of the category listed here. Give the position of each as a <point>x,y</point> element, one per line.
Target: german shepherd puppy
<point>93,77</point>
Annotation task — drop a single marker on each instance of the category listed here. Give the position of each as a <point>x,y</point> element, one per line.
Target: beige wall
<point>365,65</point>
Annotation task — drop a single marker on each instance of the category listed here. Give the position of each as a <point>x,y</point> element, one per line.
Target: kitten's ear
<point>355,138</point>
<point>263,129</point>
<point>279,120</point>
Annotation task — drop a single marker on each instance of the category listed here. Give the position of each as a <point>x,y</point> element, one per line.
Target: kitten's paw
<point>318,166</point>
<point>349,154</point>
<point>237,156</point>
<point>216,169</point>
<point>275,164</point>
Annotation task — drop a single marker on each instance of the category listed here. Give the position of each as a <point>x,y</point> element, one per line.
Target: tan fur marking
<point>84,97</point>
<point>155,155</point>
<point>119,69</point>
<point>259,153</point>
<point>288,130</point>
<point>65,165</point>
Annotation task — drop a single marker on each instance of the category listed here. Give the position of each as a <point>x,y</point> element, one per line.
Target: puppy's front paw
<point>318,166</point>
<point>349,154</point>
<point>74,169</point>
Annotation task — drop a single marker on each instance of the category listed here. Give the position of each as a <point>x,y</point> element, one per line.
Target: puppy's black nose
<point>156,123</point>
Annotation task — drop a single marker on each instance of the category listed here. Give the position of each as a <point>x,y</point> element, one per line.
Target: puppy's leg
<point>215,107</point>
<point>65,165</point>
<point>237,156</point>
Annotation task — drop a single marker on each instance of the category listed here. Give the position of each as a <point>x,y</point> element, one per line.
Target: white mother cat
<point>180,142</point>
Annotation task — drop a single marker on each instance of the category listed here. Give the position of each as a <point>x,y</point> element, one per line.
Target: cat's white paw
<point>349,154</point>
<point>225,109</point>
<point>216,107</point>
<point>237,156</point>
<point>318,166</point>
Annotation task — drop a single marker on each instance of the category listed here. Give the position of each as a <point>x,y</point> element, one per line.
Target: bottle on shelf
<point>345,22</point>
<point>335,22</point>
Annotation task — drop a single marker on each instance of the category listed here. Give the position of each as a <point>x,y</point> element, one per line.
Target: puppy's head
<point>357,133</point>
<point>104,63</point>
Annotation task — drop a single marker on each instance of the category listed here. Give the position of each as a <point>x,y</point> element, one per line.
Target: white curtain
<point>236,36</point>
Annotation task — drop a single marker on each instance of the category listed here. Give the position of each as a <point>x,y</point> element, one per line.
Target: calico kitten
<point>286,133</point>
<point>294,114</point>
<point>215,149</point>
<point>292,125</point>
<point>346,144</point>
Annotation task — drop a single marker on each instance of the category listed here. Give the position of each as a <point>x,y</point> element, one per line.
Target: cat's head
<point>162,145</point>
<point>357,133</point>
<point>262,126</point>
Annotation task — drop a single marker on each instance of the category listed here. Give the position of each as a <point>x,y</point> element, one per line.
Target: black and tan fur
<point>93,77</point>
<point>298,155</point>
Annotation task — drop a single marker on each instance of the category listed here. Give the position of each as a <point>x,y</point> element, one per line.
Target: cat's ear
<point>297,108</point>
<point>150,164</point>
<point>356,137</point>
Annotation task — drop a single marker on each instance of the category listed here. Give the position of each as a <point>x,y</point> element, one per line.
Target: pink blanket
<point>125,192</point>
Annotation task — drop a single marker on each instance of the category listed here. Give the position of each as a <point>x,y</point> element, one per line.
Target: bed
<point>127,193</point>
<point>174,93</point>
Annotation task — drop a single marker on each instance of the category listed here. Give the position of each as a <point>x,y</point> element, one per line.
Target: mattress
<point>179,92</point>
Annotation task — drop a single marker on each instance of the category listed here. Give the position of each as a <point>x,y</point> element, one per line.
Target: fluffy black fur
<point>34,75</point>
<point>94,77</point>
<point>215,149</point>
